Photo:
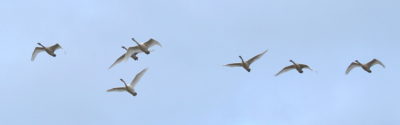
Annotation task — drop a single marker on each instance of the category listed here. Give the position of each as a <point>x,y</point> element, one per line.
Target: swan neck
<point>123,47</point>
<point>136,41</point>
<point>241,59</point>
<point>41,45</point>
<point>124,83</point>
<point>293,62</point>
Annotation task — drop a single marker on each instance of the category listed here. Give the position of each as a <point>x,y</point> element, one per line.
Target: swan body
<point>246,64</point>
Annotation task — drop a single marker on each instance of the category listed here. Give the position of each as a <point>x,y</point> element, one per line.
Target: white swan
<point>298,67</point>
<point>246,64</point>
<point>50,50</point>
<point>141,47</point>
<point>366,67</point>
<point>129,87</point>
<point>119,60</point>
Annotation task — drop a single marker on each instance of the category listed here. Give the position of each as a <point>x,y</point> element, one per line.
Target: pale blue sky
<point>186,83</point>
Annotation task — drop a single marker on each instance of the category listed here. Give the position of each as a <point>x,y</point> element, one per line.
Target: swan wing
<point>234,65</point>
<point>352,66</point>
<point>119,60</point>
<point>373,62</point>
<point>250,61</point>
<point>305,66</point>
<point>287,68</point>
<point>130,52</point>
<point>117,89</point>
<point>36,52</point>
<point>55,47</point>
<point>137,77</point>
<point>151,42</point>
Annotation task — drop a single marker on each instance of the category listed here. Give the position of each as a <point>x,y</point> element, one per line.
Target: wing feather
<point>130,52</point>
<point>36,52</point>
<point>119,60</point>
<point>234,65</point>
<point>117,89</point>
<point>287,68</point>
<point>151,42</point>
<point>374,62</point>
<point>305,66</point>
<point>352,66</point>
<point>137,77</point>
<point>250,61</point>
<point>55,47</point>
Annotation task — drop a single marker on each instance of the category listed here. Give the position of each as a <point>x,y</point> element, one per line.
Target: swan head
<point>134,94</point>
<point>39,44</point>
<point>357,61</point>
<point>147,52</point>
<point>291,61</point>
<point>133,39</point>
<point>123,47</point>
<point>301,71</point>
<point>135,57</point>
<point>241,57</point>
<point>123,81</point>
<point>53,55</point>
<point>248,70</point>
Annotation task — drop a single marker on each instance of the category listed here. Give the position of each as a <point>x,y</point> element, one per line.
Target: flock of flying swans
<point>300,67</point>
<point>132,52</point>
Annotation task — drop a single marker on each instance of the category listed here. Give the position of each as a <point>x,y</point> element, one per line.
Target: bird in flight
<point>366,67</point>
<point>50,50</point>
<point>120,59</point>
<point>246,64</point>
<point>129,87</point>
<point>298,67</point>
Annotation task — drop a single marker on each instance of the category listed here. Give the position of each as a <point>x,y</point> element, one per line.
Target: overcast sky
<point>186,83</point>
